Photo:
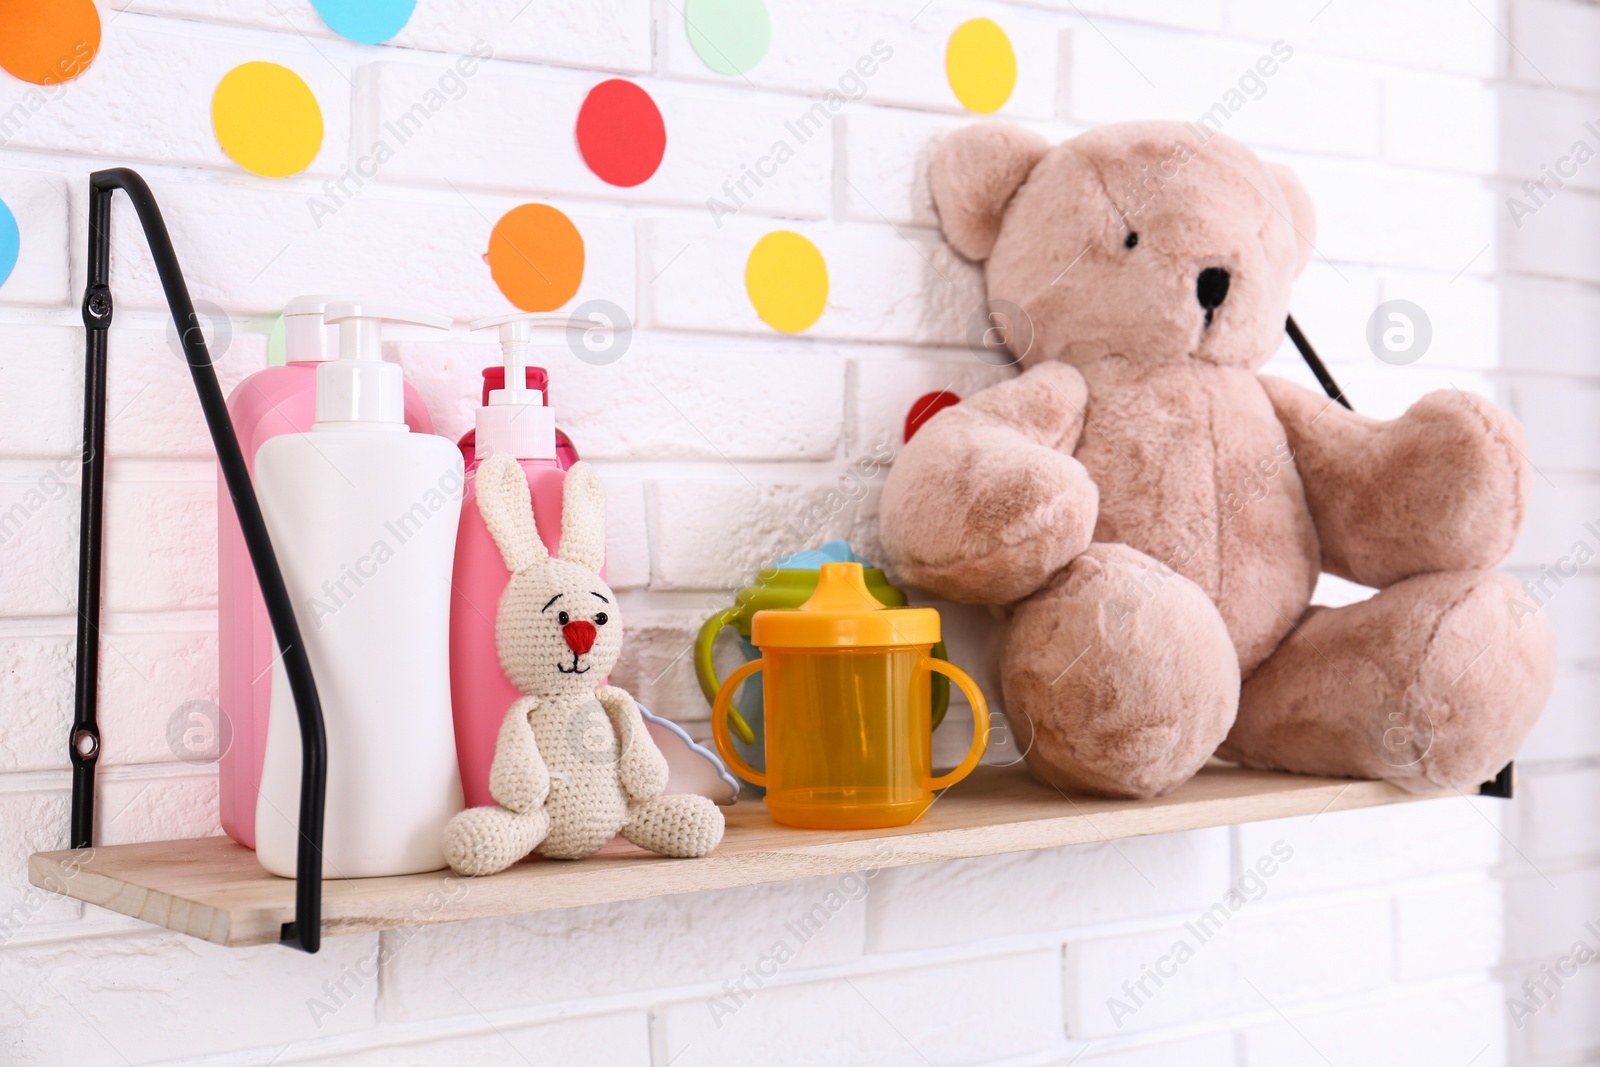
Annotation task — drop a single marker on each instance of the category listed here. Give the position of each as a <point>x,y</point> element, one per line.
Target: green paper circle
<point>729,36</point>
<point>277,355</point>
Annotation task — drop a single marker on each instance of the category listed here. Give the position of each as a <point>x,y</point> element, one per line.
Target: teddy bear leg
<point>1432,684</point>
<point>488,840</point>
<point>683,825</point>
<point>1120,678</point>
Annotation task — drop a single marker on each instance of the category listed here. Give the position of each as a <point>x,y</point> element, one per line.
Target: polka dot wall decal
<point>266,119</point>
<point>926,407</point>
<point>787,280</point>
<point>536,257</point>
<point>48,41</point>
<point>981,66</point>
<point>620,133</point>
<point>367,21</point>
<point>729,36</point>
<point>277,342</point>
<point>10,242</point>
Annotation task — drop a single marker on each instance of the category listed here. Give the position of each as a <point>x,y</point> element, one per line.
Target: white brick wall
<point>1391,936</point>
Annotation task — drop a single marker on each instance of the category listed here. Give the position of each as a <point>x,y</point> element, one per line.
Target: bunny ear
<point>507,509</point>
<point>583,518</point>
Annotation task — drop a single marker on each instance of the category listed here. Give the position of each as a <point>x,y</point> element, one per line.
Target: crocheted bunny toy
<point>574,765</point>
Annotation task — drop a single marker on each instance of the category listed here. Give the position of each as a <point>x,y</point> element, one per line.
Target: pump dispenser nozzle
<point>516,419</point>
<point>359,387</point>
<point>516,343</point>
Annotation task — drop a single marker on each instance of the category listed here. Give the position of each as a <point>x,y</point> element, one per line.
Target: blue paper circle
<point>366,21</point>
<point>10,242</point>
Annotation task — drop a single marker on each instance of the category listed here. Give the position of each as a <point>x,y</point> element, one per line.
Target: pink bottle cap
<point>495,378</point>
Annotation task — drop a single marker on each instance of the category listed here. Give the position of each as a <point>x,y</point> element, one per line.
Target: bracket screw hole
<point>85,744</point>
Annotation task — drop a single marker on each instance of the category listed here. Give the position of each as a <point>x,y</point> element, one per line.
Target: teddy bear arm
<point>985,504</point>
<point>1045,403</point>
<point>518,778</point>
<point>1444,487</point>
<point>642,767</point>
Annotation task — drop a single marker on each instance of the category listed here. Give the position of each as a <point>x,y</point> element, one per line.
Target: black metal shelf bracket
<point>84,742</point>
<point>1501,784</point>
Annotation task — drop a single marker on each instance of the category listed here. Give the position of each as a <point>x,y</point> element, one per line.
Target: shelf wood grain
<point>212,888</point>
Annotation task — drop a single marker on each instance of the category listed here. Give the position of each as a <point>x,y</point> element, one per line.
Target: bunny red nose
<point>580,635</point>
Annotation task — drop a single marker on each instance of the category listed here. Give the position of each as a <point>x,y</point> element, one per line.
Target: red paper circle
<point>927,406</point>
<point>620,133</point>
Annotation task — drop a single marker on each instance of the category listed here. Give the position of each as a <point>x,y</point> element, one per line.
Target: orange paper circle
<point>48,41</point>
<point>536,257</point>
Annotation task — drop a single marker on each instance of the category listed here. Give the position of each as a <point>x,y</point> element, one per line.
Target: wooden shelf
<point>212,888</point>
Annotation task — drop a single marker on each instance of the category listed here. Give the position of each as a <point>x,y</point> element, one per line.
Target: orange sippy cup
<point>849,744</point>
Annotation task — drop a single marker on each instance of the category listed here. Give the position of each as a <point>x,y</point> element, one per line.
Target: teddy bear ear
<point>583,518</point>
<point>975,172</point>
<point>1301,212</point>
<point>507,510</point>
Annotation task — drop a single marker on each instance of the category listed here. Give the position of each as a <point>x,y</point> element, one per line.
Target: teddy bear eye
<point>600,619</point>
<point>1130,240</point>
<point>563,618</point>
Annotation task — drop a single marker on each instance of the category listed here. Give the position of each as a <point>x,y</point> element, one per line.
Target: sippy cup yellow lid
<point>843,614</point>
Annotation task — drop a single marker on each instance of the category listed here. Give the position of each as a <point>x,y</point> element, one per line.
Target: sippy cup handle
<point>940,688</point>
<point>719,723</point>
<point>705,670</point>
<point>980,721</point>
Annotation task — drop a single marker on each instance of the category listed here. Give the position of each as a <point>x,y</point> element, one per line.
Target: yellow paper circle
<point>267,119</point>
<point>981,65</point>
<point>787,280</point>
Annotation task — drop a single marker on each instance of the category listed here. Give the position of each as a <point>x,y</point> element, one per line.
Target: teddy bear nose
<point>1212,289</point>
<point>580,635</point>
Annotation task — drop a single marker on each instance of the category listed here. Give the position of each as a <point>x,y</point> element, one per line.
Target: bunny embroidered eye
<point>563,618</point>
<point>601,619</point>
<point>1131,240</point>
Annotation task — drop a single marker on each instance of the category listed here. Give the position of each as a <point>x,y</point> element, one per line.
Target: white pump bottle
<point>363,516</point>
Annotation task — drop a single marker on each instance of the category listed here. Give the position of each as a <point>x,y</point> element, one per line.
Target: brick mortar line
<point>392,1034</point>
<point>19,783</point>
<point>1221,32</point>
<point>176,622</point>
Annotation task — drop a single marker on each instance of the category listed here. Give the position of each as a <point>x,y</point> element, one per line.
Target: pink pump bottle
<point>514,419</point>
<point>270,402</point>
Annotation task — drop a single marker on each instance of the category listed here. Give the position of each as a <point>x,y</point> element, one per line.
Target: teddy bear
<point>1151,515</point>
<point>574,764</point>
